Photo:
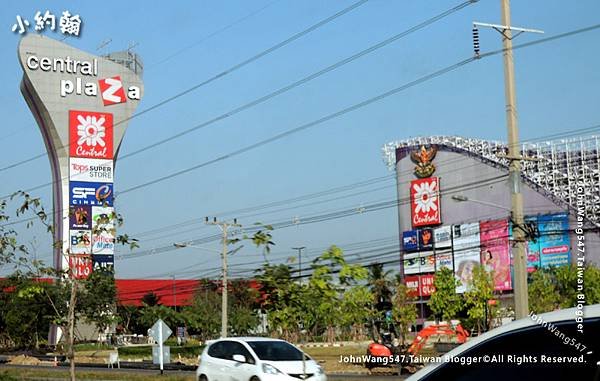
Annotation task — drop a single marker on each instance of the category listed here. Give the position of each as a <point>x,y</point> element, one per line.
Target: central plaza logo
<point>91,134</point>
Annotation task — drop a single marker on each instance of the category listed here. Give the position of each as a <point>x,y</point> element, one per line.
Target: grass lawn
<point>36,374</point>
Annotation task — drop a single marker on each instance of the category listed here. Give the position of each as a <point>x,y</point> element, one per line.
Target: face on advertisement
<point>465,271</point>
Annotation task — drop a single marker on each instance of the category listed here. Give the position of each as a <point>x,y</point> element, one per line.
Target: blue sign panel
<point>103,262</point>
<point>555,245</point>
<point>410,241</point>
<point>93,194</point>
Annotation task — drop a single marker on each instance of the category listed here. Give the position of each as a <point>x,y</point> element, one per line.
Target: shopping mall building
<point>454,207</point>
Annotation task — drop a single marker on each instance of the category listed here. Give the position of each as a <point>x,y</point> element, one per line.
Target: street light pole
<point>299,261</point>
<point>224,227</point>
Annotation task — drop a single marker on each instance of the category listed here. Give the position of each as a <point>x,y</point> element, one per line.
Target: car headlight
<point>320,370</point>
<point>270,369</point>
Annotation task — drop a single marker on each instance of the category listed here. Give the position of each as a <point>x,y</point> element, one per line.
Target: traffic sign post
<point>160,332</point>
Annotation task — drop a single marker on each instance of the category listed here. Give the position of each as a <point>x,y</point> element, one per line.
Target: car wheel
<point>254,378</point>
<point>202,378</point>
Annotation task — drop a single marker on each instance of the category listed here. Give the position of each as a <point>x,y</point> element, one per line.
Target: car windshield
<point>276,351</point>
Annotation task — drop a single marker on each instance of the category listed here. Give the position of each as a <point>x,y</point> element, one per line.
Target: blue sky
<point>184,43</point>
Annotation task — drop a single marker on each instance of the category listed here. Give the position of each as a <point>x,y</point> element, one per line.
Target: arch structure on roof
<point>566,171</point>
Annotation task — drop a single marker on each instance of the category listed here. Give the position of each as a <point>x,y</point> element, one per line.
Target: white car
<point>546,347</point>
<point>256,359</point>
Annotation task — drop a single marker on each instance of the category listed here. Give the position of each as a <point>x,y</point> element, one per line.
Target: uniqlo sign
<point>81,266</point>
<point>112,90</point>
<point>425,202</point>
<point>91,134</point>
<point>420,285</point>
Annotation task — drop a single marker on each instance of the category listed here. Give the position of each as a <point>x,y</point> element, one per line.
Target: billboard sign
<point>410,241</point>
<point>80,265</point>
<point>533,246</point>
<point>420,285</point>
<point>425,239</point>
<point>80,242</point>
<point>103,242</point>
<point>495,252</point>
<point>93,194</point>
<point>411,263</point>
<point>466,253</point>
<point>90,170</point>
<point>103,262</point>
<point>80,217</point>
<point>555,244</point>
<point>425,202</point>
<point>443,237</point>
<point>90,134</point>
<point>102,219</point>
<point>417,263</point>
<point>443,258</point>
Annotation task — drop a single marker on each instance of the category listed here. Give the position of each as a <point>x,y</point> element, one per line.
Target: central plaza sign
<point>111,89</point>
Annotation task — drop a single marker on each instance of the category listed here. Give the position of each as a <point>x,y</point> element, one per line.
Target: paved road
<point>334,377</point>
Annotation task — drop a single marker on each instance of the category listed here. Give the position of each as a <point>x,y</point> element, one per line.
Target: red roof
<point>178,292</point>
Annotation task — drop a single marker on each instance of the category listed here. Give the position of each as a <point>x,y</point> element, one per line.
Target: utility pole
<point>514,157</point>
<point>224,226</point>
<point>299,261</point>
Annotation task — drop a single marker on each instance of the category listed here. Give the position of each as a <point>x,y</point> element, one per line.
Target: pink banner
<point>495,252</point>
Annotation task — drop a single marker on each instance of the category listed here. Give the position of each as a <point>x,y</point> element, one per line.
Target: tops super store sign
<point>111,89</point>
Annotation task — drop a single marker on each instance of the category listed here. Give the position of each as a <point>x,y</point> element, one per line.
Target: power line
<point>354,107</point>
<point>286,88</point>
<point>224,72</point>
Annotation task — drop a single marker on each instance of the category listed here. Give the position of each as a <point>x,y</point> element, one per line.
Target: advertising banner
<point>420,285</point>
<point>495,254</point>
<point>412,264</point>
<point>103,242</point>
<point>102,219</point>
<point>103,262</point>
<point>533,246</point>
<point>426,262</point>
<point>466,253</point>
<point>554,240</point>
<point>425,239</point>
<point>93,194</point>
<point>443,258</point>
<point>417,263</point>
<point>90,170</point>
<point>90,134</point>
<point>425,202</point>
<point>80,217</point>
<point>442,237</point>
<point>443,248</point>
<point>80,242</point>
<point>80,265</point>
<point>410,241</point>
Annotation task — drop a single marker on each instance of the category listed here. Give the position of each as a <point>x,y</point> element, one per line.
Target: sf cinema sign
<point>425,202</point>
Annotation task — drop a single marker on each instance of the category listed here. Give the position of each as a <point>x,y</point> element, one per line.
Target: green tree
<point>445,303</point>
<point>479,292</point>
<point>24,318</point>
<point>379,282</point>
<point>356,309</point>
<point>404,310</point>
<point>543,294</point>
<point>327,291</point>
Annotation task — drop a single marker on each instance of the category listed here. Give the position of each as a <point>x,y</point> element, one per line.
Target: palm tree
<point>380,283</point>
